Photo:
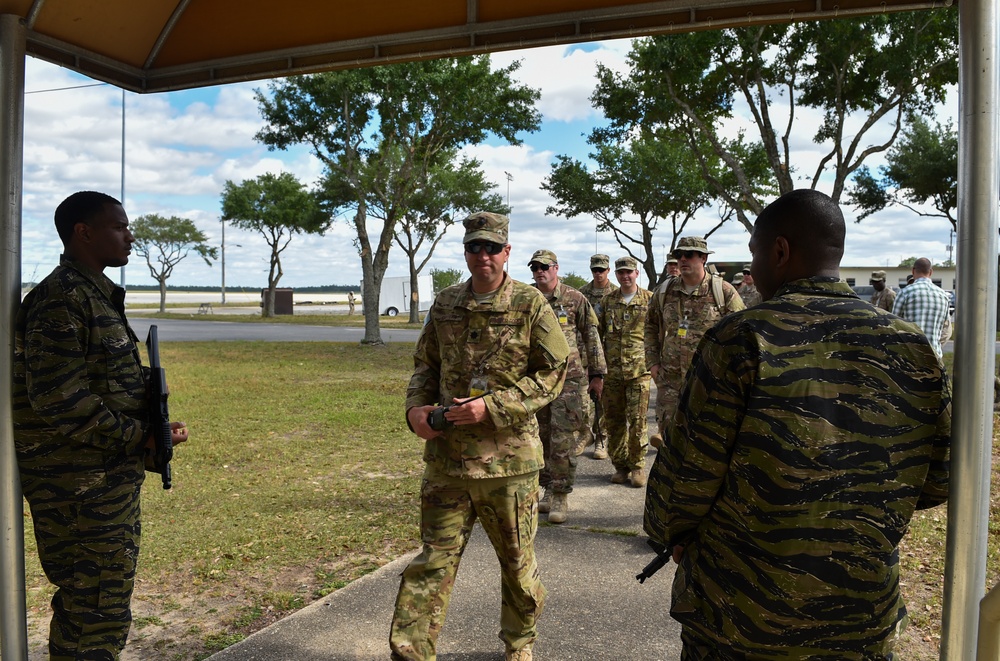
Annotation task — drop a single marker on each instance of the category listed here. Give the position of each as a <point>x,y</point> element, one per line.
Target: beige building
<point>895,277</point>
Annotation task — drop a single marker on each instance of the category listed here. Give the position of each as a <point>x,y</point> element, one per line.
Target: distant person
<point>810,428</point>
<point>673,268</point>
<point>883,297</point>
<point>350,302</point>
<point>924,303</point>
<point>748,292</point>
<point>626,387</point>
<point>497,338</point>
<point>81,429</point>
<point>595,290</point>
<point>680,312</point>
<point>562,424</point>
<point>737,281</point>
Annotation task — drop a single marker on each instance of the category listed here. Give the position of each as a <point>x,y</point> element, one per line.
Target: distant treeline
<point>323,289</point>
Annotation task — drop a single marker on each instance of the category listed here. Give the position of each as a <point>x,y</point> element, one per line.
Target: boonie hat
<point>671,260</point>
<point>600,262</point>
<point>694,243</point>
<point>486,226</point>
<point>626,264</point>
<point>738,279</point>
<point>543,257</point>
<point>746,268</point>
<point>878,276</point>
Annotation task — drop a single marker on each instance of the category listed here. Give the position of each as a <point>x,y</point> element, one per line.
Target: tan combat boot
<point>523,654</point>
<point>637,478</point>
<point>620,476</point>
<point>544,501</point>
<point>656,441</point>
<point>560,507</point>
<point>601,449</point>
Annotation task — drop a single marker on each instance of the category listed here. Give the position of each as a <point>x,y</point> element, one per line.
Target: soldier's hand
<point>417,417</point>
<point>469,413</point>
<point>597,386</point>
<point>654,370</point>
<point>178,432</point>
<point>678,552</point>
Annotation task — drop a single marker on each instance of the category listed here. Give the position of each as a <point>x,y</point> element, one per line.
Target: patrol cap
<point>486,226</point>
<point>878,276</point>
<point>600,262</point>
<point>738,279</point>
<point>543,257</point>
<point>626,264</point>
<point>694,243</point>
<point>746,268</point>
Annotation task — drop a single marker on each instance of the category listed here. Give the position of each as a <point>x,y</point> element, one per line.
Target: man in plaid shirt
<point>924,303</point>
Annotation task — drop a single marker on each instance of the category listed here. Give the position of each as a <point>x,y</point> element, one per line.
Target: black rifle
<point>159,414</point>
<point>656,564</point>
<point>598,409</point>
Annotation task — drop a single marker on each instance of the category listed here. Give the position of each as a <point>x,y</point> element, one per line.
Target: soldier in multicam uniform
<point>748,292</point>
<point>496,337</point>
<point>680,312</point>
<point>809,430</point>
<point>80,430</point>
<point>738,282</point>
<point>562,424</point>
<point>673,266</point>
<point>883,297</point>
<point>595,290</point>
<point>626,387</point>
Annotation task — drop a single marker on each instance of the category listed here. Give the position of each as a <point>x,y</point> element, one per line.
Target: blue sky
<point>181,147</point>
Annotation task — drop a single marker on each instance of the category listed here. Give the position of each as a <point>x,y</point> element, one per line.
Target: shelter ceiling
<point>158,45</point>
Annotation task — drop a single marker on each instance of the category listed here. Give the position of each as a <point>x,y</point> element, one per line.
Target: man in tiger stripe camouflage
<point>810,429</point>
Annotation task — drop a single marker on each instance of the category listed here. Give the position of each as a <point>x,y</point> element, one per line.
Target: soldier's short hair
<point>79,208</point>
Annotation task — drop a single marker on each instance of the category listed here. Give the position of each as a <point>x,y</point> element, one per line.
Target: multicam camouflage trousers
<point>507,508</point>
<point>88,547</point>
<point>598,430</point>
<point>626,404</point>
<point>562,425</point>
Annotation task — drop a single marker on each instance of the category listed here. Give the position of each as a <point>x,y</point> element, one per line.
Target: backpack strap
<point>717,294</point>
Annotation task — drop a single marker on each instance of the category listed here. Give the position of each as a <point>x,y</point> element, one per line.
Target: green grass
<point>354,321</point>
<point>299,457</point>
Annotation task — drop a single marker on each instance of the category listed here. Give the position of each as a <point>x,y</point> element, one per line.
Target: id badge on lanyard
<point>478,385</point>
<point>682,328</point>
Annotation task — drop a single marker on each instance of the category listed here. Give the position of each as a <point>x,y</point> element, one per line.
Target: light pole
<point>510,178</point>
<point>223,221</point>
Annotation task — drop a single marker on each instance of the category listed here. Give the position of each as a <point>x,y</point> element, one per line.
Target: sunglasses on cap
<point>535,266</point>
<point>475,247</point>
<point>686,254</point>
<point>597,270</point>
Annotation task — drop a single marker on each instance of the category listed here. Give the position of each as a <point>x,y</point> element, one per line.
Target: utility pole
<point>223,221</point>
<point>510,178</point>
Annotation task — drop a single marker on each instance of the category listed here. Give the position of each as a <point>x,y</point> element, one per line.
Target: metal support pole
<point>13,619</point>
<point>975,355</point>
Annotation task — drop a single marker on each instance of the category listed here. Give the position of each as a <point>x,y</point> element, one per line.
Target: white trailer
<point>395,295</point>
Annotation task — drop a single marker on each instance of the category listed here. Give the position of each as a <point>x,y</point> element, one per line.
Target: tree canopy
<point>379,132</point>
<point>277,207</point>
<point>164,242</point>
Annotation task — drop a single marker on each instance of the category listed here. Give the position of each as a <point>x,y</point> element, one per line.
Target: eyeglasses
<point>535,266</point>
<point>598,270</point>
<point>475,247</point>
<point>686,254</point>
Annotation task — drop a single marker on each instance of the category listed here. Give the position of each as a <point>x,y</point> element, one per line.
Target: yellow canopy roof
<point>158,45</point>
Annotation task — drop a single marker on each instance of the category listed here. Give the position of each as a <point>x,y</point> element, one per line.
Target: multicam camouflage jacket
<point>79,390</point>
<point>579,325</point>
<point>621,326</point>
<point>594,295</point>
<point>750,295</point>
<point>809,430</point>
<point>515,345</point>
<point>677,320</point>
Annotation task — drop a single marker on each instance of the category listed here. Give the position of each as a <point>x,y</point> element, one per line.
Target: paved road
<point>182,330</point>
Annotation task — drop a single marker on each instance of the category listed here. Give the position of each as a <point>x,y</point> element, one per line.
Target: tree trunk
<point>414,293</point>
<point>163,295</point>
<point>371,281</point>
<point>268,309</point>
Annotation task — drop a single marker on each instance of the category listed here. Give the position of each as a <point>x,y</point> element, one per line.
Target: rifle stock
<point>159,413</point>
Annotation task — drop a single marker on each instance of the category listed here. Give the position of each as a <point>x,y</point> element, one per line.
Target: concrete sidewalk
<point>596,609</point>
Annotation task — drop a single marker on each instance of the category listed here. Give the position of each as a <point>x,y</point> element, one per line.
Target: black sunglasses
<point>686,254</point>
<point>598,270</point>
<point>475,247</point>
<point>535,266</point>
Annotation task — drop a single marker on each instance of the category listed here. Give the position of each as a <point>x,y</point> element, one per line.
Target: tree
<point>859,73</point>
<point>573,280</point>
<point>164,242</point>
<point>446,278</point>
<point>636,183</point>
<point>396,122</point>
<point>277,207</point>
<point>921,168</point>
<point>447,192</point>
